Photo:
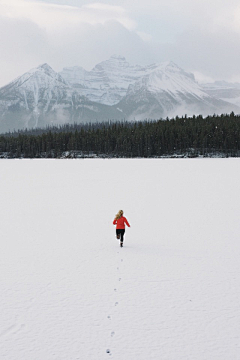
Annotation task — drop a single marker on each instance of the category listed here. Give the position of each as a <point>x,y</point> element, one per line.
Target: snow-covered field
<point>68,291</point>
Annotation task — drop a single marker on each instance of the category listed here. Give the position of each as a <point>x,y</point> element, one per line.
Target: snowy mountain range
<point>42,97</point>
<point>112,90</point>
<point>107,83</point>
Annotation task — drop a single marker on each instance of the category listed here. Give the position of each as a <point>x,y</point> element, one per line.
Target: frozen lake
<point>68,291</point>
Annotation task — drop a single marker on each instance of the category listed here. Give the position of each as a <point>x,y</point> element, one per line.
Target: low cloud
<point>204,42</point>
<point>23,45</point>
<point>33,32</point>
<point>52,16</point>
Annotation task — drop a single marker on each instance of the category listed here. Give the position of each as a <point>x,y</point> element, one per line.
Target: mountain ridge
<point>112,90</point>
<point>41,97</point>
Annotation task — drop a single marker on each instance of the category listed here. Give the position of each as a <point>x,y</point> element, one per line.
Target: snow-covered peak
<point>108,81</point>
<point>42,76</point>
<point>45,67</point>
<point>170,68</point>
<point>168,77</point>
<point>37,92</point>
<point>114,64</point>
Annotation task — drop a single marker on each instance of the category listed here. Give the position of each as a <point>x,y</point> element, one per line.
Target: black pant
<point>121,233</point>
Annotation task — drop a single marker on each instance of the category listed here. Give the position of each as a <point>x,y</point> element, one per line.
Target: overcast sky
<point>201,36</point>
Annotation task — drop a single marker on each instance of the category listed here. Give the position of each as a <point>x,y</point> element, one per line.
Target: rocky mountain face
<point>112,90</point>
<point>169,91</point>
<point>41,97</point>
<point>24,101</point>
<point>107,83</point>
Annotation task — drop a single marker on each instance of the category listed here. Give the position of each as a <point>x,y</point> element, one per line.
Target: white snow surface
<point>68,291</point>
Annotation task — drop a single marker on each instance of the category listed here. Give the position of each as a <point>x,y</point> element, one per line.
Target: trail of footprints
<point>108,351</point>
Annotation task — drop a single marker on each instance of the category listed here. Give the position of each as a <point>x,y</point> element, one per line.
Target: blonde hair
<point>119,214</point>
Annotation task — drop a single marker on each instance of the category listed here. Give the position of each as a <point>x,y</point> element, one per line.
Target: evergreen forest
<point>179,137</point>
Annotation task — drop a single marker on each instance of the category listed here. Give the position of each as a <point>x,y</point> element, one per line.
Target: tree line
<point>186,136</point>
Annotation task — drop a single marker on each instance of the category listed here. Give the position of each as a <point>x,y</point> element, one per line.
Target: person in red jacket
<point>120,221</point>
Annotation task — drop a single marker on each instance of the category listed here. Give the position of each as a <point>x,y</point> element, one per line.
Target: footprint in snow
<point>116,303</point>
<point>112,333</point>
<point>119,279</point>
<point>109,317</point>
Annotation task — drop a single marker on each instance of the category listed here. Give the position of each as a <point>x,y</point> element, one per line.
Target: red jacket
<point>121,223</point>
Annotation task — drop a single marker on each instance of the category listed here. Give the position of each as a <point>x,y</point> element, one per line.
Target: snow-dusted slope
<point>41,77</point>
<point>42,97</point>
<point>169,91</point>
<point>33,95</point>
<point>140,92</point>
<point>69,292</point>
<point>168,77</point>
<point>34,86</point>
<point>108,81</point>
